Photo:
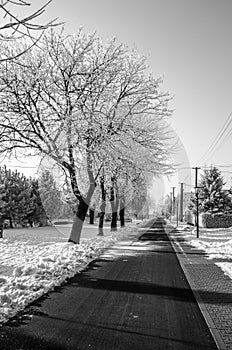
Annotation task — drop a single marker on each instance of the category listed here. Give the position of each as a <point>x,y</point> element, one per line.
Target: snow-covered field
<point>31,267</point>
<point>217,243</point>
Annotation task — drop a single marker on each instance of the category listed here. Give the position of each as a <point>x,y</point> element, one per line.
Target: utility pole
<point>170,204</point>
<point>181,201</point>
<point>173,200</point>
<point>197,201</point>
<point>177,212</point>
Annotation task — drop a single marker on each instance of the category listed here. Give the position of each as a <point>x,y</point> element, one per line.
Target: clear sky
<point>186,41</point>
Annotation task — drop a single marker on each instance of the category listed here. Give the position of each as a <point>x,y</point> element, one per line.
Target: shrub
<point>216,220</point>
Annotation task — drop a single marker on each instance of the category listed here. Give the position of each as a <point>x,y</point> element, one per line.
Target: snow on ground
<point>217,244</point>
<point>29,269</point>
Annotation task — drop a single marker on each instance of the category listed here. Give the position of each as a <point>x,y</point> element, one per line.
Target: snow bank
<point>215,248</point>
<point>34,269</point>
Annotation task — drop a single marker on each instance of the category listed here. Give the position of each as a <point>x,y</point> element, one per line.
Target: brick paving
<point>212,288</point>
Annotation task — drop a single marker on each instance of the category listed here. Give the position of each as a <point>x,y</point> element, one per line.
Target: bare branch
<point>22,27</point>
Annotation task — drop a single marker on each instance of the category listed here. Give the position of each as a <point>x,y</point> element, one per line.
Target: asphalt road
<point>135,297</point>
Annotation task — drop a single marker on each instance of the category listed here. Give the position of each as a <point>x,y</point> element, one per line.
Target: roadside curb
<point>209,321</point>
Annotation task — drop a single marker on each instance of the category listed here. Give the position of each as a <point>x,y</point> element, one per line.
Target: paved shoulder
<point>212,289</point>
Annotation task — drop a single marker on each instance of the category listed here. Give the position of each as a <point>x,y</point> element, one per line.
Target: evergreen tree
<point>2,207</point>
<point>38,215</point>
<point>212,197</point>
<point>16,199</point>
<point>50,195</point>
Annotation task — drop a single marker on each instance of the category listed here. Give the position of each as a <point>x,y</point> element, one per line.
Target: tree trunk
<point>114,221</point>
<point>101,222</point>
<point>114,202</point>
<point>122,211</point>
<point>1,228</point>
<point>122,216</point>
<point>91,216</point>
<point>114,214</point>
<point>84,202</point>
<point>102,207</point>
<point>101,218</point>
<point>11,222</point>
<point>78,222</point>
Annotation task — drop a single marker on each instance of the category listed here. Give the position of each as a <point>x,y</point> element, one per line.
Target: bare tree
<point>14,27</point>
<point>79,102</point>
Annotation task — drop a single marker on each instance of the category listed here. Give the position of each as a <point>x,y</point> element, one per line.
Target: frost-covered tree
<point>79,101</point>
<point>121,190</point>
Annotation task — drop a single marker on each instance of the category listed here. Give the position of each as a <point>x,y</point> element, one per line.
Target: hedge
<point>216,220</point>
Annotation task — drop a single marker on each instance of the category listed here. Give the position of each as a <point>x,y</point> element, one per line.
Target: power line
<point>205,168</point>
<point>227,172</point>
<point>218,138</point>
<point>225,166</point>
<point>20,166</point>
<point>223,141</point>
<point>184,168</point>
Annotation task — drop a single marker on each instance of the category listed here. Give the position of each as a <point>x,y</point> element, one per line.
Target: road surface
<point>134,297</point>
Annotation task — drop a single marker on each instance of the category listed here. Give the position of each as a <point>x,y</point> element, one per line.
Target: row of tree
<point>90,109</point>
<point>41,201</point>
<point>36,201</point>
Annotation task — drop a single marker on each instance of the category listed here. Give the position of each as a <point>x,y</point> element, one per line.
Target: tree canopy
<point>85,105</point>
